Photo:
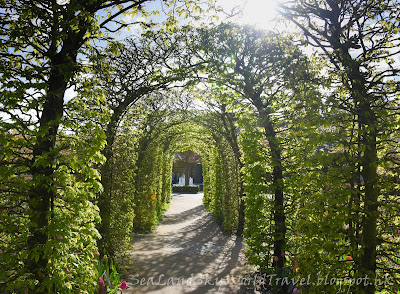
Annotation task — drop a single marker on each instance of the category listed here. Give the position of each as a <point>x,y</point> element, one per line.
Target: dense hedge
<point>222,180</point>
<point>122,194</point>
<point>147,189</point>
<point>185,189</point>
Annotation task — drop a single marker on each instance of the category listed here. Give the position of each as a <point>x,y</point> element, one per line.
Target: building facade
<point>187,165</point>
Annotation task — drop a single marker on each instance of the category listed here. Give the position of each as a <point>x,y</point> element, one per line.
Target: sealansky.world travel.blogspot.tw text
<point>260,280</point>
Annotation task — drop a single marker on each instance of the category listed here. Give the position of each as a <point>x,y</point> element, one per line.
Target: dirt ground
<point>188,253</point>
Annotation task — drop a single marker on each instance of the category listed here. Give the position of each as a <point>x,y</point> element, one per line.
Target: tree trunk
<point>279,208</point>
<point>42,192</point>
<point>277,184</point>
<point>241,217</point>
<point>370,177</point>
<point>369,158</point>
<point>369,161</point>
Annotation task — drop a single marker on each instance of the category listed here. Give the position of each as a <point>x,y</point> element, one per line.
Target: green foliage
<point>71,231</point>
<point>49,166</point>
<point>221,174</point>
<point>208,176</point>
<point>259,202</point>
<point>72,228</point>
<point>316,160</point>
<point>225,203</point>
<point>185,189</point>
<point>147,189</point>
<point>123,190</point>
<point>166,180</point>
<point>350,186</point>
<point>259,78</point>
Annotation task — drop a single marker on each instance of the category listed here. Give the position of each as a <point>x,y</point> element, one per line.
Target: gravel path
<point>188,253</point>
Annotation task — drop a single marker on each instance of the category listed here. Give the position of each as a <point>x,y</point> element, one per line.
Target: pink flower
<point>296,291</point>
<point>96,254</point>
<point>276,258</point>
<point>398,232</point>
<point>122,285</point>
<point>102,286</point>
<point>346,227</point>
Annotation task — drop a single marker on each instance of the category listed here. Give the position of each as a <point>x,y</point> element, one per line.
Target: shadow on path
<point>188,253</point>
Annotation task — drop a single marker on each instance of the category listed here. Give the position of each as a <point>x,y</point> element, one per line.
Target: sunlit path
<point>190,246</point>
